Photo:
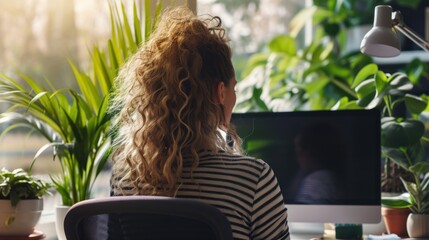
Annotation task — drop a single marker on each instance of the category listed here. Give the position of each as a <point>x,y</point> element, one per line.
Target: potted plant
<point>77,123</point>
<point>395,211</point>
<point>21,202</point>
<point>409,211</point>
<point>418,220</point>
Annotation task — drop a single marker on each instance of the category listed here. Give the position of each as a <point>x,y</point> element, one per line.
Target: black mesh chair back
<point>145,218</point>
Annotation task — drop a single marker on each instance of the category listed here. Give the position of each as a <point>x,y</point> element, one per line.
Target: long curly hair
<point>166,99</point>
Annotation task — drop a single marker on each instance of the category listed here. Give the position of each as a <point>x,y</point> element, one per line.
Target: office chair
<point>145,217</point>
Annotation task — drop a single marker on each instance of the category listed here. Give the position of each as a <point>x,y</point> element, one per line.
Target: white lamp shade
<point>381,40</point>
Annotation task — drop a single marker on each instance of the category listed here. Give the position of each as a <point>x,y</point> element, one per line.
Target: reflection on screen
<point>319,157</point>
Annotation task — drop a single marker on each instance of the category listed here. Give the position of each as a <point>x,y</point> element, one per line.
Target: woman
<point>175,99</point>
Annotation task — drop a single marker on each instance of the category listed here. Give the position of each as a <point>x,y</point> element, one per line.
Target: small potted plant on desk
<point>21,202</point>
<point>402,143</point>
<point>402,140</point>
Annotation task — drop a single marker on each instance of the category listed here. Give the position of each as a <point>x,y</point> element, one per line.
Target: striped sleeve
<point>269,218</point>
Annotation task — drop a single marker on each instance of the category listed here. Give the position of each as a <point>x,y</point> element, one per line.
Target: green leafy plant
<point>18,185</point>
<point>288,78</point>
<point>419,190</point>
<point>76,123</point>
<point>402,133</point>
<point>292,76</point>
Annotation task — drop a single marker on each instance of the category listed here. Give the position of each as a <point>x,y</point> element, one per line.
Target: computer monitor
<point>327,162</point>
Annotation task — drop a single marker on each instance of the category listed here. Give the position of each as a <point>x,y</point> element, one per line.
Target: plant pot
<point>60,214</point>
<point>418,225</point>
<point>396,220</point>
<point>26,215</point>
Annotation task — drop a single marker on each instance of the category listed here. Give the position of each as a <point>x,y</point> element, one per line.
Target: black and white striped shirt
<point>245,189</point>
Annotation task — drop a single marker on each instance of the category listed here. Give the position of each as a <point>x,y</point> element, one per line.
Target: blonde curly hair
<point>166,99</point>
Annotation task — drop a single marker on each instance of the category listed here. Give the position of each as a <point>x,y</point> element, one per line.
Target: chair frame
<point>178,207</point>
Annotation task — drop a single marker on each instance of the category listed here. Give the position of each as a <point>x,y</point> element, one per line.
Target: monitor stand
<point>301,230</point>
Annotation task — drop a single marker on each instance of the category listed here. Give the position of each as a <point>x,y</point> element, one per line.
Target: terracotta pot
<point>26,215</point>
<point>396,220</point>
<point>418,225</point>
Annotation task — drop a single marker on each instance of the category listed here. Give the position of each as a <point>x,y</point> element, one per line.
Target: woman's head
<point>174,95</point>
<point>197,57</point>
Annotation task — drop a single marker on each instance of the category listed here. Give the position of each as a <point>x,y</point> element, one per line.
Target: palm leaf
<point>137,27</point>
<point>88,89</point>
<point>19,119</point>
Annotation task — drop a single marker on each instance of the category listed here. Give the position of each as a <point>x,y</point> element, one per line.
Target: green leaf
<point>344,103</point>
<point>381,83</point>
<point>103,73</point>
<point>401,134</point>
<point>366,92</point>
<point>397,155</point>
<point>87,87</point>
<point>364,73</point>
<point>399,83</point>
<point>415,104</point>
<point>415,70</point>
<point>401,201</point>
<point>283,44</point>
<point>395,203</point>
<point>420,168</point>
<point>137,28</point>
<point>132,45</point>
<point>300,19</point>
<point>254,62</point>
<point>316,85</point>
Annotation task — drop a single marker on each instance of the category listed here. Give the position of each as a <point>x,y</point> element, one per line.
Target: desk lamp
<point>381,40</point>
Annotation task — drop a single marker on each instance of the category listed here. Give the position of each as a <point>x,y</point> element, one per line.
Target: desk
<point>46,225</point>
<point>329,232</point>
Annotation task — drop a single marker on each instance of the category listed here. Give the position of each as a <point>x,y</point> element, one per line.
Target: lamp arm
<point>399,24</point>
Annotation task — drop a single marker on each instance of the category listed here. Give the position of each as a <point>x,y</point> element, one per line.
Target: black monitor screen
<point>319,157</point>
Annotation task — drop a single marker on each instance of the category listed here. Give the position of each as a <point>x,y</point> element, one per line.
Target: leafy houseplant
<point>76,123</point>
<point>17,185</point>
<point>290,76</point>
<point>21,201</point>
<point>402,134</point>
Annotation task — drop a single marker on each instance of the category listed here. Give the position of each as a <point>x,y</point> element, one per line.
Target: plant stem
<point>404,150</point>
<point>389,107</point>
<point>419,193</point>
<point>344,87</point>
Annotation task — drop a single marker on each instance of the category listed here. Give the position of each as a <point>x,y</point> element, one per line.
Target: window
<point>251,24</point>
<point>38,38</point>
